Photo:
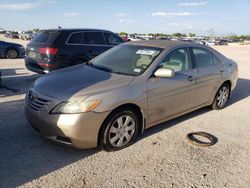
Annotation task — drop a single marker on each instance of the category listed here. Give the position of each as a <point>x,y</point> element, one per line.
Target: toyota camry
<point>112,99</point>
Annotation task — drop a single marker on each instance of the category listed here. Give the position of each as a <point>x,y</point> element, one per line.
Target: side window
<point>94,38</point>
<point>112,39</point>
<point>216,60</point>
<point>177,60</point>
<point>202,57</point>
<point>76,38</point>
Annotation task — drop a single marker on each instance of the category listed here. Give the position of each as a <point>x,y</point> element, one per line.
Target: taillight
<point>48,51</point>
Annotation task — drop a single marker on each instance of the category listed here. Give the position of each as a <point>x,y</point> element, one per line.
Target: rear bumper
<point>36,70</point>
<point>33,66</point>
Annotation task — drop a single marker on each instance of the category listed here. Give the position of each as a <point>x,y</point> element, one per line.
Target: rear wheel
<point>221,97</point>
<point>121,129</point>
<point>11,53</point>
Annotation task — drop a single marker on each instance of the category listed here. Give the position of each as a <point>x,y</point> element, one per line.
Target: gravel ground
<point>161,158</point>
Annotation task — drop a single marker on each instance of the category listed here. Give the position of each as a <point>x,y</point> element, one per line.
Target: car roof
<point>166,44</point>
<point>75,29</point>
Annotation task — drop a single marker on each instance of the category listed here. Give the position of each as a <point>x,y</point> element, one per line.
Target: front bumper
<point>78,130</point>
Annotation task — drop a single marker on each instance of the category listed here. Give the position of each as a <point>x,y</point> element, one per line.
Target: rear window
<point>46,37</point>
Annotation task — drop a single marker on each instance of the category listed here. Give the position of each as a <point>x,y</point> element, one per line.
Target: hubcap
<point>222,96</point>
<point>121,131</point>
<point>12,53</point>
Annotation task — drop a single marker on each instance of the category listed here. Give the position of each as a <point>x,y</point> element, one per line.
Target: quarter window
<point>76,38</point>
<point>177,60</point>
<point>216,60</point>
<point>94,38</point>
<point>202,57</point>
<point>112,39</point>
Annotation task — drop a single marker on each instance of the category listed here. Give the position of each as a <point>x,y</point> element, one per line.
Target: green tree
<point>36,30</point>
<point>191,34</point>
<point>122,33</point>
<point>179,35</point>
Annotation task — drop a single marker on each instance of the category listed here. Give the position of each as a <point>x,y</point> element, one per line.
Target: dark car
<point>59,48</point>
<point>11,50</point>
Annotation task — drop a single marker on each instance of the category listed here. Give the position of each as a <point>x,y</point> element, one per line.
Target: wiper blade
<point>101,68</point>
<point>122,73</point>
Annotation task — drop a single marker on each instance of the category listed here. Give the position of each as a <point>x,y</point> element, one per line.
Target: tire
<point>120,129</point>
<point>11,53</point>
<point>221,97</point>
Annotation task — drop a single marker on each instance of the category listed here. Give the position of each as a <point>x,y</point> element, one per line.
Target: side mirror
<point>164,73</point>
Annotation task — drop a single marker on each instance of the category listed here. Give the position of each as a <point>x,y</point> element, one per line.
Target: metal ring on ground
<point>212,139</point>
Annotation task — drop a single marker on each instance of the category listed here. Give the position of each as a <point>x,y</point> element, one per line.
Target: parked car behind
<point>11,50</point>
<point>127,89</point>
<point>13,35</point>
<point>27,35</point>
<point>59,48</point>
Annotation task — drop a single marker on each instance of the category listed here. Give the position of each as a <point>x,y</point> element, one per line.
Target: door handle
<point>190,78</point>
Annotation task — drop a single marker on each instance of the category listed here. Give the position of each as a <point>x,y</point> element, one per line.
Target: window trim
<point>102,45</point>
<point>193,60</point>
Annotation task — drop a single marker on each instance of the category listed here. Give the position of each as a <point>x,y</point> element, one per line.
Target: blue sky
<point>141,16</point>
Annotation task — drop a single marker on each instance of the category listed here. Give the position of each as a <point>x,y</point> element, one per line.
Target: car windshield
<point>126,59</point>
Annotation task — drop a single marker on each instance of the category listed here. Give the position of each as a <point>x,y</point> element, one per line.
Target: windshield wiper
<point>99,67</point>
<point>123,73</point>
<point>107,69</point>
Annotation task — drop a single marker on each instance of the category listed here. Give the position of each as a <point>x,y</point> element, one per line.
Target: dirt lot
<point>161,158</point>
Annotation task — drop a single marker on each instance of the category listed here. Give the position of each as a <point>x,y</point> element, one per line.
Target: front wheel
<point>121,129</point>
<point>221,97</point>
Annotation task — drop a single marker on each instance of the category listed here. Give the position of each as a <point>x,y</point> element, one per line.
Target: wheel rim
<point>12,54</point>
<point>222,96</point>
<point>122,131</point>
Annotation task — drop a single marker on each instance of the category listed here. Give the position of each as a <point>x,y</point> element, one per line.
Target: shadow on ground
<point>25,156</point>
<point>241,92</point>
<point>13,80</point>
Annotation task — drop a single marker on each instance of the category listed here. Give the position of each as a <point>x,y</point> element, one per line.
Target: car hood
<point>79,81</point>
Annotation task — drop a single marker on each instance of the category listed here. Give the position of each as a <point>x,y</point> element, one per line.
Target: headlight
<point>75,107</point>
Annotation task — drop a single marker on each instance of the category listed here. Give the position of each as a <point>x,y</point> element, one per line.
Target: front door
<point>170,96</point>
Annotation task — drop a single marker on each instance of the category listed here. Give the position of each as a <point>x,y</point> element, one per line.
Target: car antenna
<point>59,27</point>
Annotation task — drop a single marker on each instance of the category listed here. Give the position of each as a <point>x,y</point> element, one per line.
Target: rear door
<point>95,43</point>
<point>208,75</point>
<point>170,96</point>
<point>74,48</point>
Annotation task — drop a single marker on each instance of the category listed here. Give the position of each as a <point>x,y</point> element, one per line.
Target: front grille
<point>37,103</point>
